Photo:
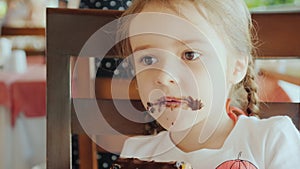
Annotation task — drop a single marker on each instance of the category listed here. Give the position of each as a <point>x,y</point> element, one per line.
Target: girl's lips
<point>174,102</point>
<point>173,99</point>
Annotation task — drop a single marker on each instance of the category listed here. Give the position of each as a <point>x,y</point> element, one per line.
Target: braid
<point>250,87</point>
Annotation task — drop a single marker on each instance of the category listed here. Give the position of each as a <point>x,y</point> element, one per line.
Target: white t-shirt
<point>272,143</point>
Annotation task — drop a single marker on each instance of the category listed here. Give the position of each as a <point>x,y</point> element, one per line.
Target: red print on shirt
<point>237,164</point>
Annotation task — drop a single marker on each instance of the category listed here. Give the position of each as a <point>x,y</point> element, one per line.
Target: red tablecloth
<point>25,92</point>
<point>4,95</point>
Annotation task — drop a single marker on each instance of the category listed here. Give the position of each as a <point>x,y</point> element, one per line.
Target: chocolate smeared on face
<point>194,104</point>
<point>150,108</point>
<point>175,102</point>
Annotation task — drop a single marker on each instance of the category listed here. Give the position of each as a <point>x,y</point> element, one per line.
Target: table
<point>22,116</point>
<point>279,79</point>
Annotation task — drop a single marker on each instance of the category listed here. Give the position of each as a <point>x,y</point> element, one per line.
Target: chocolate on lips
<point>175,102</point>
<point>134,163</point>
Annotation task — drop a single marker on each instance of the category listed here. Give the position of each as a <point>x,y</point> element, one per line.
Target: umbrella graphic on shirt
<point>237,164</point>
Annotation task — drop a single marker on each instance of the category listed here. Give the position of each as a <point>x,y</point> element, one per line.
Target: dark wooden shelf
<point>22,31</point>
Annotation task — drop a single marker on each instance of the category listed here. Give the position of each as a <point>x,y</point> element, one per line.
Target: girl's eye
<point>148,60</point>
<point>191,55</point>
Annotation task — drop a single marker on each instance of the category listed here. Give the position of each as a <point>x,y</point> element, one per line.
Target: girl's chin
<point>180,119</point>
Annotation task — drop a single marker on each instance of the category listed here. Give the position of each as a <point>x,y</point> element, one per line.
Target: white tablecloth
<point>24,145</point>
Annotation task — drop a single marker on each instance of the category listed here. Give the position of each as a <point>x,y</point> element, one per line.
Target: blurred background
<point>23,76</point>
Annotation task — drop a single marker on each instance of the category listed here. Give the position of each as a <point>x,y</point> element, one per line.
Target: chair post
<point>87,153</point>
<point>58,100</point>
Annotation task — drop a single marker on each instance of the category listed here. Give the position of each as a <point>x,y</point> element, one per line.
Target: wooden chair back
<point>67,31</point>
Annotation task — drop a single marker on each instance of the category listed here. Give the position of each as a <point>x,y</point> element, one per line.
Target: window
<point>273,5</point>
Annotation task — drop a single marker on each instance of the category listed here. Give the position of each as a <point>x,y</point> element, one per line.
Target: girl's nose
<point>165,79</point>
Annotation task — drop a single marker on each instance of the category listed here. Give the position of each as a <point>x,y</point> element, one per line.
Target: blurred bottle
<point>17,62</point>
<point>5,51</point>
<point>3,10</point>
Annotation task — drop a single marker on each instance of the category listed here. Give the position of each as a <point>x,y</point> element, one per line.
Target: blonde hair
<point>232,20</point>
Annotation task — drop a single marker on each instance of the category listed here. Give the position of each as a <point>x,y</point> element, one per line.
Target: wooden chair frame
<point>68,29</point>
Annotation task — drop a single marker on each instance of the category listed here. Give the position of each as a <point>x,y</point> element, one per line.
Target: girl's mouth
<point>174,102</point>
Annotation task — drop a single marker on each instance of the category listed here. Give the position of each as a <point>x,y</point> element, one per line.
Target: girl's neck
<point>187,141</point>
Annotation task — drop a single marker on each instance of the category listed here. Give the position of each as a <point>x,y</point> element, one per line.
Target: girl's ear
<point>240,66</point>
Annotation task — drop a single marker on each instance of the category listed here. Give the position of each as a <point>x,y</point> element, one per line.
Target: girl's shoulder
<point>271,121</point>
<point>278,124</point>
<point>271,141</point>
<point>264,133</point>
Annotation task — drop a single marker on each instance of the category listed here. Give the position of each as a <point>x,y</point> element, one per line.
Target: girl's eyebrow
<point>191,41</point>
<point>185,42</point>
<point>143,47</point>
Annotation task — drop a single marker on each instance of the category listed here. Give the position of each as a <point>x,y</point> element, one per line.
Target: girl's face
<point>176,62</point>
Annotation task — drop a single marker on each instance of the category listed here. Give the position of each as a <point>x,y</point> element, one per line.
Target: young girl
<point>194,73</point>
